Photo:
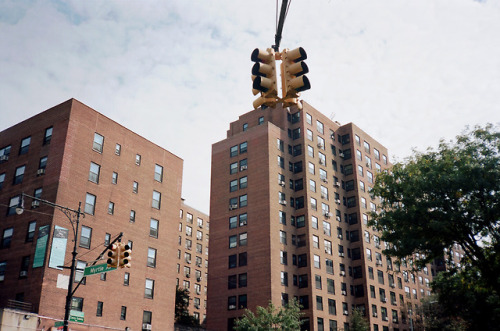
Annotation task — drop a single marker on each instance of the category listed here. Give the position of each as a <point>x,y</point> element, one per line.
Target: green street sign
<point>97,269</point>
<point>76,316</point>
<point>58,324</point>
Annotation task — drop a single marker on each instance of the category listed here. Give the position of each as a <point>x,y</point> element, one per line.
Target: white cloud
<point>407,73</point>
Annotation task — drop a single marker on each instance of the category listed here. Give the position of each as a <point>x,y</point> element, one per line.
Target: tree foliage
<point>358,321</point>
<point>442,197</point>
<point>182,315</point>
<point>269,318</point>
<point>439,198</point>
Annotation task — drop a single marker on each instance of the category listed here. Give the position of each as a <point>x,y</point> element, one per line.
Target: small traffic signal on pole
<point>125,256</point>
<point>264,77</point>
<point>293,71</point>
<point>113,256</point>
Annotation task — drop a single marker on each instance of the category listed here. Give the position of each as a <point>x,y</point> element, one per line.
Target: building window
<point>77,304</point>
<point>90,201</point>
<point>233,151</point>
<point>126,279</point>
<point>13,204</point>
<point>18,178</point>
<point>42,165</point>
<point>231,303</point>
<point>99,309</point>
<point>243,182</point>
<point>156,200</point>
<point>80,267</point>
<point>245,126</point>
<point>137,159</point>
<point>47,136</point>
<point>94,172</point>
<point>132,216</point>
<point>233,168</point>
<point>118,149</point>
<point>317,263</point>
<point>158,173</point>
<point>98,143</point>
<point>233,241</point>
<point>151,257</point>
<point>242,301</point>
<point>85,237</point>
<point>153,228</point>
<point>123,313</point>
<point>232,261</point>
<point>3,267</point>
<point>283,237</point>
<point>367,146</point>
<point>25,145</point>
<point>111,208</point>
<point>2,180</point>
<point>233,222</point>
<point>233,185</point>
<point>243,219</point>
<point>135,187</point>
<point>261,120</point>
<point>149,288</point>
<point>30,234</point>
<point>243,239</point>
<point>243,200</point>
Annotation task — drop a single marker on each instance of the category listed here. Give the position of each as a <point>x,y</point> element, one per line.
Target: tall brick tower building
<point>70,154</point>
<point>289,209</point>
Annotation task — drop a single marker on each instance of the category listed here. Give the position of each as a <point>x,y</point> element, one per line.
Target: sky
<point>177,72</point>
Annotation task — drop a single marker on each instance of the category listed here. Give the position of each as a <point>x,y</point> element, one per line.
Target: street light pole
<point>70,213</point>
<point>69,295</point>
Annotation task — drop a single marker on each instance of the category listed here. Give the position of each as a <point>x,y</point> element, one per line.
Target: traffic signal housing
<point>113,256</point>
<point>125,256</point>
<point>264,77</point>
<point>293,77</point>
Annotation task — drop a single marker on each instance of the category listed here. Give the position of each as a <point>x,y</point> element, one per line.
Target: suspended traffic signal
<point>125,256</point>
<point>264,77</point>
<point>113,256</point>
<point>293,71</point>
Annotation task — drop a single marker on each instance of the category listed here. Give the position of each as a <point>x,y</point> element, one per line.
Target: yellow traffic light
<point>125,256</point>
<point>293,76</point>
<point>264,77</point>
<point>113,256</point>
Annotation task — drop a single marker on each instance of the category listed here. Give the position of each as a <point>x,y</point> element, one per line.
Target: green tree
<point>435,317</point>
<point>269,318</point>
<point>182,315</point>
<point>441,197</point>
<point>358,321</point>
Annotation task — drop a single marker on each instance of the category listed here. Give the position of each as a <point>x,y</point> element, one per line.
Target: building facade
<point>192,259</point>
<point>289,209</point>
<point>72,154</point>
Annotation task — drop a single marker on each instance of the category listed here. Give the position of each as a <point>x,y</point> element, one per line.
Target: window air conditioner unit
<point>336,184</point>
<point>197,306</point>
<point>35,204</point>
<point>384,318</point>
<point>368,165</point>
<point>321,162</point>
<point>374,314</point>
<point>344,292</point>
<point>392,285</point>
<point>332,136</point>
<point>384,300</point>
<point>23,273</point>
<point>342,273</point>
<point>146,326</point>
<point>198,279</point>
<point>323,197</point>
<point>346,312</point>
<point>339,236</point>
<point>341,155</point>
<point>283,202</point>
<point>232,307</point>
<point>243,167</point>
<point>394,320</point>
<point>231,207</point>
<point>188,275</point>
<point>320,145</point>
<point>379,262</point>
<point>338,218</point>
<point>337,201</point>
<point>4,158</point>
<point>40,172</point>
<point>282,183</point>
<point>341,254</point>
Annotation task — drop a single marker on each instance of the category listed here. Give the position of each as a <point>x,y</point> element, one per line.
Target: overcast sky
<point>178,72</point>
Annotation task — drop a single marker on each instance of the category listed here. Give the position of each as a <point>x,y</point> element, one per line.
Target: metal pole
<point>69,295</point>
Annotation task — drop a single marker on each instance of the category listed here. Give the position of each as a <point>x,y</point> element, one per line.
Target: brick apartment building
<point>289,209</point>
<point>70,154</point>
